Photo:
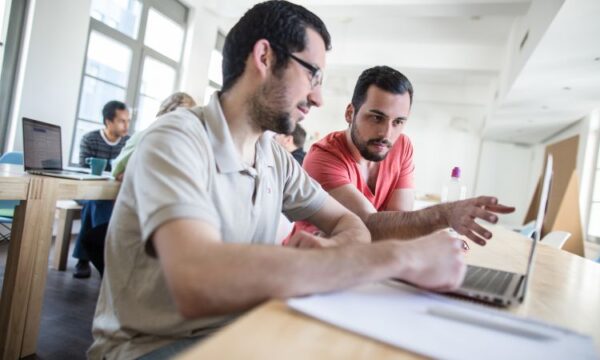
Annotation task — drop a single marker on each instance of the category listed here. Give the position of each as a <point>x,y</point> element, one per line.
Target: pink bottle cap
<point>456,172</point>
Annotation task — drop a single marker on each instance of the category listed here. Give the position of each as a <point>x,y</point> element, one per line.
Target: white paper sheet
<point>402,316</point>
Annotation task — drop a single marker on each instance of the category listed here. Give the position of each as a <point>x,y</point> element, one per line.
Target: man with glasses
<point>369,167</point>
<point>192,243</point>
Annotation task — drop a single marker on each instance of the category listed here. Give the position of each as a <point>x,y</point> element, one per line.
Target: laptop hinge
<point>519,290</point>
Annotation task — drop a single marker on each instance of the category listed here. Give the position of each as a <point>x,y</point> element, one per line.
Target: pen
<point>487,322</point>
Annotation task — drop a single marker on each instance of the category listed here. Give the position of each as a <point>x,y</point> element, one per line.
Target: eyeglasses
<point>316,75</point>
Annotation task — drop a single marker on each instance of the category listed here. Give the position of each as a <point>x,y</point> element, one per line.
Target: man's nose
<point>315,97</point>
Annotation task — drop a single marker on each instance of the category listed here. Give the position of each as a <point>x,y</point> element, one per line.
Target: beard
<point>268,107</point>
<point>363,146</point>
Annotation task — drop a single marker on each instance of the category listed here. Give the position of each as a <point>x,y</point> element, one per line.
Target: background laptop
<point>500,287</point>
<point>42,152</point>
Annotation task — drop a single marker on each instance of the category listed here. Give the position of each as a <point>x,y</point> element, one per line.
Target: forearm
<point>225,278</point>
<point>350,230</point>
<point>407,224</point>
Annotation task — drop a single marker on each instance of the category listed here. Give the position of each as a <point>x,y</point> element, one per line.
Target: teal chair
<point>7,207</point>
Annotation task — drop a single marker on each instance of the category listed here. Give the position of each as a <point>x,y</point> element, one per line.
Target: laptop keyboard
<point>66,172</point>
<point>490,280</point>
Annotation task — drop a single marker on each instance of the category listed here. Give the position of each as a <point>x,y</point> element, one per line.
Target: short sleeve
<point>302,196</point>
<point>120,163</point>
<point>170,173</point>
<point>407,168</point>
<point>326,168</point>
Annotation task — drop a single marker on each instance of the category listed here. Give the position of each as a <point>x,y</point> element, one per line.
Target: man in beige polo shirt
<point>192,240</point>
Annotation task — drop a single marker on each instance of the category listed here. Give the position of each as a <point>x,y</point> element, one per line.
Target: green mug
<point>97,165</point>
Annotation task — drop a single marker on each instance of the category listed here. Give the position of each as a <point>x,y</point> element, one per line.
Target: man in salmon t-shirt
<point>369,168</point>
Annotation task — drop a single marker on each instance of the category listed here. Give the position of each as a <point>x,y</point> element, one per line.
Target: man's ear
<point>289,139</point>
<point>262,57</point>
<point>349,113</point>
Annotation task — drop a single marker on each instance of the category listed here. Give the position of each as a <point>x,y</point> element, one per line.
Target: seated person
<point>106,144</point>
<point>93,240</point>
<point>192,242</point>
<point>294,143</point>
<point>171,103</point>
<point>369,167</point>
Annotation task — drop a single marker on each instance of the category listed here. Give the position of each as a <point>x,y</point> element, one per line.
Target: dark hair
<point>299,135</point>
<point>109,111</point>
<point>385,78</point>
<point>282,23</point>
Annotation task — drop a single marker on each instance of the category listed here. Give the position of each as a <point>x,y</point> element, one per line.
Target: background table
<point>29,248</point>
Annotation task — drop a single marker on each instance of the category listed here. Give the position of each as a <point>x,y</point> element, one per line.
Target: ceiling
<point>559,84</point>
<point>465,57</point>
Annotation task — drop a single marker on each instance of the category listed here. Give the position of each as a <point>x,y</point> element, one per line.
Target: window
<point>13,16</point>
<point>164,35</point>
<point>123,16</point>
<point>594,215</point>
<point>133,55</point>
<point>158,79</point>
<point>215,74</point>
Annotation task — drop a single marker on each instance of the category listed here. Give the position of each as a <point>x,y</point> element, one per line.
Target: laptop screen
<point>41,145</point>
<point>539,222</point>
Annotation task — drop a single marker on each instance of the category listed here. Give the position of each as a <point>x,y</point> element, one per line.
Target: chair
<point>68,211</point>
<point>7,207</point>
<point>13,157</point>
<point>556,238</point>
<point>528,230</point>
<point>3,224</point>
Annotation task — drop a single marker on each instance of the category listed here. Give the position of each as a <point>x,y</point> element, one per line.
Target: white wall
<point>438,147</point>
<point>509,172</point>
<point>4,11</point>
<point>4,14</point>
<point>201,36</point>
<point>53,66</point>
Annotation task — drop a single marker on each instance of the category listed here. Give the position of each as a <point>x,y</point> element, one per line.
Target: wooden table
<point>565,291</point>
<point>27,261</point>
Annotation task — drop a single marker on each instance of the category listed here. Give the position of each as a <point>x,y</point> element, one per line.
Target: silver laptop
<point>42,152</point>
<point>500,287</point>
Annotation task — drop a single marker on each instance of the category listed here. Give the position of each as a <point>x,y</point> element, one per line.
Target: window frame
<point>174,10</point>
<point>219,44</point>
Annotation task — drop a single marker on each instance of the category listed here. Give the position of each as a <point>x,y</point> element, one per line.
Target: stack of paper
<point>441,327</point>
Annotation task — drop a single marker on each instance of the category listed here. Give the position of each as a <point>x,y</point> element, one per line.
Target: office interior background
<point>495,80</point>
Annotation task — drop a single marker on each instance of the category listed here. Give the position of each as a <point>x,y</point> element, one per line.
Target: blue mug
<point>97,165</point>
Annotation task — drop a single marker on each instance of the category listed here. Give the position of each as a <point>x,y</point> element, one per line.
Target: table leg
<point>63,238</point>
<point>45,219</point>
<point>18,314</point>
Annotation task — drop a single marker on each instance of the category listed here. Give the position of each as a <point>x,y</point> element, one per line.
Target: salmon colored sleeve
<point>329,170</point>
<point>407,168</point>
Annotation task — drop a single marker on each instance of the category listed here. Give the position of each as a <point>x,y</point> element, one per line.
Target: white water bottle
<point>454,189</point>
